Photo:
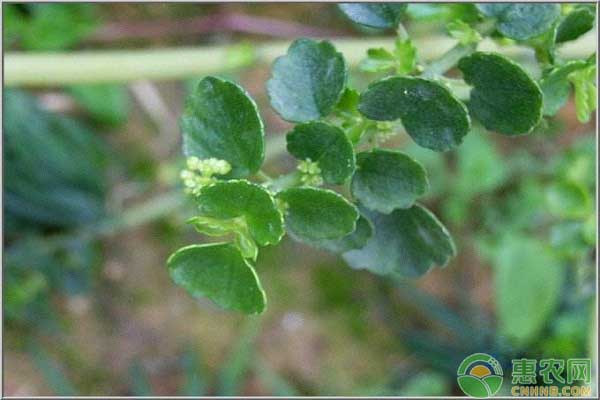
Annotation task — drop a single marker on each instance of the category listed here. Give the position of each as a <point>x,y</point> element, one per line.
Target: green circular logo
<point>480,375</point>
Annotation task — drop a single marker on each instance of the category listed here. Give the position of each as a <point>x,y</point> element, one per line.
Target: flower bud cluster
<point>311,173</point>
<point>200,172</point>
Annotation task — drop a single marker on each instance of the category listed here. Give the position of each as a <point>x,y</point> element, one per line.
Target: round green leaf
<point>242,199</point>
<point>354,240</point>
<point>220,120</point>
<point>556,87</point>
<point>430,113</point>
<point>522,21</point>
<point>308,81</point>
<point>385,180</point>
<point>406,244</point>
<point>326,144</point>
<point>219,272</point>
<point>374,15</point>
<point>318,213</point>
<point>575,24</point>
<point>504,98</point>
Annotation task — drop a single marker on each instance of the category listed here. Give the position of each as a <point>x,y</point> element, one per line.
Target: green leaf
<point>220,120</point>
<point>325,144</point>
<point>556,87</point>
<point>407,243</point>
<point>246,245</point>
<point>308,81</point>
<point>385,180</point>
<point>586,94</point>
<point>504,98</point>
<point>374,15</point>
<point>108,104</point>
<point>575,24</point>
<point>431,115</point>
<point>242,199</point>
<point>218,271</point>
<point>354,240</point>
<point>215,226</point>
<point>437,12</point>
<point>522,21</point>
<point>406,56</point>
<point>348,103</point>
<point>242,238</point>
<point>318,213</point>
<point>528,281</point>
<point>378,60</point>
<point>463,32</point>
<point>568,200</point>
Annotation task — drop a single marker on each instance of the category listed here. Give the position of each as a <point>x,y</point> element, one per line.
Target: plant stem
<point>263,177</point>
<point>401,32</point>
<point>59,69</point>
<point>458,87</point>
<point>286,181</point>
<point>448,60</point>
<point>148,211</point>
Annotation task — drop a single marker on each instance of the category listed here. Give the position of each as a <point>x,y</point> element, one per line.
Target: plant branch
<point>140,214</point>
<point>58,69</point>
<point>448,60</point>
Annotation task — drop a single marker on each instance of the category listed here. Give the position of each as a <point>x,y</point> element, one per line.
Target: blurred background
<point>93,207</point>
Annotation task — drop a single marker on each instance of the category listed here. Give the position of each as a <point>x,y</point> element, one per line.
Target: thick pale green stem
<point>58,69</point>
<point>55,69</point>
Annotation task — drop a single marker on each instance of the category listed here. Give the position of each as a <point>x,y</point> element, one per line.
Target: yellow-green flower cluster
<point>199,173</point>
<point>311,173</point>
<point>385,130</point>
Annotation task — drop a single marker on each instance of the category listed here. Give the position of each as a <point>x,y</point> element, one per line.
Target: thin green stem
<point>458,87</point>
<point>286,181</point>
<point>402,32</point>
<point>448,60</point>
<point>146,212</point>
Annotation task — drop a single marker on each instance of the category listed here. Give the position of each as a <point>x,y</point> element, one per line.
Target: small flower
<point>311,180</point>
<point>193,163</point>
<point>199,173</point>
<point>311,172</point>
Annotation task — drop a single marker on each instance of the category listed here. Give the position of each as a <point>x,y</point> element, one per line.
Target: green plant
<point>336,138</point>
